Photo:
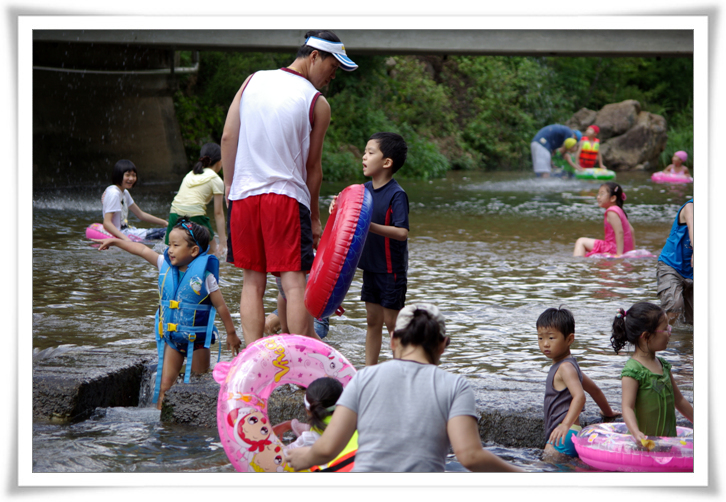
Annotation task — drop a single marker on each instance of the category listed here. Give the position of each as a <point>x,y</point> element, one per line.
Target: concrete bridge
<point>103,95</point>
<point>642,43</point>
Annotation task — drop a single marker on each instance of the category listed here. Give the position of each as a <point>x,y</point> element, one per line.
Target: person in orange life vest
<point>588,153</point>
<point>678,167</point>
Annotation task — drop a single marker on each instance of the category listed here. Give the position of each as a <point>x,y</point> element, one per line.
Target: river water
<point>492,250</point>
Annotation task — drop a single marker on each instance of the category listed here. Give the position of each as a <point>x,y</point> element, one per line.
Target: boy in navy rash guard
<point>384,259</point>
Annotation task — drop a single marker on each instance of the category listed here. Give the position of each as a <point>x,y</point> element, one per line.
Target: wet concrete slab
<point>70,382</point>
<point>68,385</point>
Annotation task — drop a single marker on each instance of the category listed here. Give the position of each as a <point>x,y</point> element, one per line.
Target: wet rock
<point>70,385</point>
<point>195,403</point>
<point>617,118</point>
<point>583,118</point>
<point>643,143</point>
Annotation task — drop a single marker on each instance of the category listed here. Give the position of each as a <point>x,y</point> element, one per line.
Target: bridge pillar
<point>94,104</point>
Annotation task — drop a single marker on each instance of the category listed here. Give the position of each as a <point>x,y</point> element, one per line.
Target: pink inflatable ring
<point>246,384</point>
<point>661,177</point>
<point>96,231</point>
<point>610,447</point>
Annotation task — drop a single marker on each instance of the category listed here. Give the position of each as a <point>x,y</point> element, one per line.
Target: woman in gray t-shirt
<point>407,411</point>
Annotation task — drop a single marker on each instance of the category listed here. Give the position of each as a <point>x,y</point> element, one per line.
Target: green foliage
<point>661,85</point>
<point>456,112</point>
<point>680,137</point>
<point>508,100</point>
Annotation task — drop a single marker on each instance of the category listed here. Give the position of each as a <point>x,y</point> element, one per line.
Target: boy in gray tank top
<point>566,384</point>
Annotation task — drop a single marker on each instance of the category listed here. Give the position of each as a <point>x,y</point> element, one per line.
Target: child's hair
<point>629,325</point>
<point>200,233</point>
<point>421,325</point>
<point>210,154</point>
<point>306,50</point>
<point>617,191</point>
<point>393,147</point>
<point>560,319</point>
<point>320,399</point>
<point>123,165</point>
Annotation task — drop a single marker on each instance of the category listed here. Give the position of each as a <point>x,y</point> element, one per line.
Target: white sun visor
<point>337,49</point>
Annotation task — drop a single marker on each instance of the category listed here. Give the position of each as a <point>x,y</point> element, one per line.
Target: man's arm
<point>687,215</point>
<point>321,121</point>
<point>230,139</point>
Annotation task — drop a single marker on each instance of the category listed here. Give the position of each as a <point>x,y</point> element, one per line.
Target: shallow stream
<point>492,250</point>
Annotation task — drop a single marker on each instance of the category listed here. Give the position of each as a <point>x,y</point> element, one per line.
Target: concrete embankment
<point>69,386</point>
<point>70,382</point>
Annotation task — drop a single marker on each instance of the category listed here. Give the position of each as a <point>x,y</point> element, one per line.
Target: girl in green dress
<point>650,394</point>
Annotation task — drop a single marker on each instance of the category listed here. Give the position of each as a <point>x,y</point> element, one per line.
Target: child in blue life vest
<point>188,289</point>
<point>566,384</point>
<point>384,259</point>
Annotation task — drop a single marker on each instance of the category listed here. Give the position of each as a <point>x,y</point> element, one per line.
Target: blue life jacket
<point>677,251</point>
<point>185,310</point>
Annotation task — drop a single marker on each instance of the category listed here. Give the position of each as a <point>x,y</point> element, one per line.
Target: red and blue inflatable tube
<point>339,251</point>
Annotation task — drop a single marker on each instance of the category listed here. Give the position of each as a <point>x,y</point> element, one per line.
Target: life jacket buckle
<point>171,326</point>
<point>192,337</point>
<point>173,304</point>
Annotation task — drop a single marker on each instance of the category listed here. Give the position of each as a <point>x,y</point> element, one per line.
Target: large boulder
<point>617,118</point>
<point>583,118</point>
<point>629,138</point>
<point>641,144</point>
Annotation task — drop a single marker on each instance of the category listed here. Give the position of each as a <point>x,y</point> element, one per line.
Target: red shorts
<point>270,233</point>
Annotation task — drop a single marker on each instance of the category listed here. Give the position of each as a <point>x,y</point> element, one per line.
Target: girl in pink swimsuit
<point>619,233</point>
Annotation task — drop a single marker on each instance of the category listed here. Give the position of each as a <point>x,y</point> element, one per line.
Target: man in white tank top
<point>271,152</point>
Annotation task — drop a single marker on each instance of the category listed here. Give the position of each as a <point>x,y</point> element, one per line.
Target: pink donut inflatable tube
<point>96,231</point>
<point>661,177</point>
<point>245,387</point>
<point>610,447</point>
<point>339,252</point>
<point>632,254</point>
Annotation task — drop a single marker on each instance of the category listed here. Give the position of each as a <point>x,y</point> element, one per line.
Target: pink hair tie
<point>622,196</point>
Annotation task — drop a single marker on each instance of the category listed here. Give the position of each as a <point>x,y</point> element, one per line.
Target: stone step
<point>70,382</point>
<point>68,385</point>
